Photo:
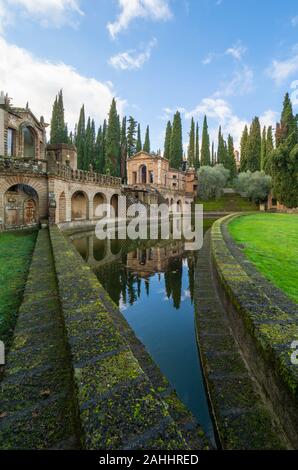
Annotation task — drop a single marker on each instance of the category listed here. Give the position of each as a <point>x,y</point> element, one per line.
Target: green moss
<point>16,250</point>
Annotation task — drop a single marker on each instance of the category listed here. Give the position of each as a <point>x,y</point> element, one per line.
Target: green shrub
<point>212,181</point>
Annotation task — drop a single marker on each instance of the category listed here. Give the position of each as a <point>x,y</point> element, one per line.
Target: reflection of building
<point>148,261</point>
<point>153,172</point>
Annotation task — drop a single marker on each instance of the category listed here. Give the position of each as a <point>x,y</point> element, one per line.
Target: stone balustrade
<point>42,167</point>
<point>66,172</point>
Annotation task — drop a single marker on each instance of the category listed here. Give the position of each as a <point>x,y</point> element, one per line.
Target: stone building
<point>149,172</point>
<point>41,183</point>
<point>22,135</point>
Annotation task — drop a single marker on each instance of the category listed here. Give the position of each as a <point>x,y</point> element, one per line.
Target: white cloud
<point>294,21</point>
<point>132,59</point>
<point>236,51</point>
<point>269,118</point>
<point>241,83</point>
<point>27,78</point>
<point>219,110</point>
<point>131,9</point>
<point>209,58</point>
<point>281,70</point>
<point>48,12</point>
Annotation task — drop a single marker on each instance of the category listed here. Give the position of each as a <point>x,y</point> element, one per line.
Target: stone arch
<point>21,206</point>
<point>79,206</point>
<point>143,174</point>
<point>98,199</point>
<point>62,207</point>
<point>115,203</point>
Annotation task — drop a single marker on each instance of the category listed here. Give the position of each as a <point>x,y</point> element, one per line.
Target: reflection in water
<point>153,284</point>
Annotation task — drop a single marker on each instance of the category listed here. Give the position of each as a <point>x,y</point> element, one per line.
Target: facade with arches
<point>40,183</point>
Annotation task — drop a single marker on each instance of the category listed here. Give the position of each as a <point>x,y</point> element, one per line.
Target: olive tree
<point>212,181</point>
<point>256,185</point>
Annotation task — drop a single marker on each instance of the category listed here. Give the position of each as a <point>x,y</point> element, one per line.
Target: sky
<point>227,59</point>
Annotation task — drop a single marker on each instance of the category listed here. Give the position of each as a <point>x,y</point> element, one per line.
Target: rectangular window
<point>10,142</point>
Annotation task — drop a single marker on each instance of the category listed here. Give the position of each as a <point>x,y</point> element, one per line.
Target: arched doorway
<point>143,174</point>
<point>29,142</point>
<point>62,207</point>
<point>114,204</point>
<point>98,200</point>
<point>79,206</point>
<point>21,206</point>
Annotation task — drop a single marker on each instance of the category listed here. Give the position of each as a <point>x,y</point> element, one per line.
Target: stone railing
<point>66,172</point>
<point>22,165</point>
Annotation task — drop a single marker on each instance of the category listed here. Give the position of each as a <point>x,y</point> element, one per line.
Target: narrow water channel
<point>152,282</point>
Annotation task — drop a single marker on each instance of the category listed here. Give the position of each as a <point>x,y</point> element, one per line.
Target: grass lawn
<point>229,203</point>
<point>16,250</point>
<point>271,243</point>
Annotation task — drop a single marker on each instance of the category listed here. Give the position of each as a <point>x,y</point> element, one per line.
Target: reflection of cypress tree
<point>177,282</point>
<point>110,280</point>
<point>131,289</point>
<point>139,282</point>
<point>147,286</point>
<point>173,281</point>
<point>191,276</point>
<point>168,283</point>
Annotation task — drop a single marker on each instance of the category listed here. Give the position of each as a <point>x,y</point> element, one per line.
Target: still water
<point>152,282</point>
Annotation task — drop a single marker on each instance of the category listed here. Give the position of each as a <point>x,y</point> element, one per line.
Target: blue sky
<point>229,59</point>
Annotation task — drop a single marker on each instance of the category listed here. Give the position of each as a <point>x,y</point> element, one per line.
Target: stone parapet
<point>265,323</point>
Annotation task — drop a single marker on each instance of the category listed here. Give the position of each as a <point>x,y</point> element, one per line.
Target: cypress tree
<point>88,151</point>
<point>139,140</point>
<point>284,161</point>
<point>54,123</point>
<point>98,151</point>
<point>191,145</point>
<point>62,133</point>
<point>243,149</point>
<point>131,136</point>
<point>197,151</point>
<point>269,150</point>
<point>146,147</point>
<point>80,139</point>
<point>221,149</point>
<point>168,137</point>
<point>263,148</point>
<point>254,146</point>
<point>231,164</point>
<point>205,151</point>
<point>213,161</point>
<point>123,157</point>
<point>112,156</point>
<point>176,147</point>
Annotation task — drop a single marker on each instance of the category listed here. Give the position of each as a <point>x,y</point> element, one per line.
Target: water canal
<point>152,282</point>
